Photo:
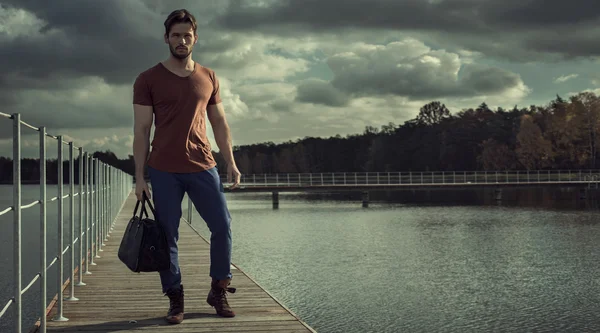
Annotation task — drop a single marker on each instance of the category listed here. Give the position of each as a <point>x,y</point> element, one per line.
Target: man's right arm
<point>143,116</point>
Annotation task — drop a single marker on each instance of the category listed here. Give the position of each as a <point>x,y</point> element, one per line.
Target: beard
<point>180,54</point>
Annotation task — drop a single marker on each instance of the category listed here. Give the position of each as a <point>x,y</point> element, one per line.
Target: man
<point>178,93</point>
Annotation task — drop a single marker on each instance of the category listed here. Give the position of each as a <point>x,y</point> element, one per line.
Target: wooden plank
<point>118,300</point>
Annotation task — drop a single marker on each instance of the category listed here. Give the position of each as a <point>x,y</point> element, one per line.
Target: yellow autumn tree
<point>533,150</point>
<point>584,118</point>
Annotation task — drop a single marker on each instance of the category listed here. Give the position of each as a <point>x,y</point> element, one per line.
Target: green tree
<point>432,113</point>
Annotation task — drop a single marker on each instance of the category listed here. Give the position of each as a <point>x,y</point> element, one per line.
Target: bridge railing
<point>101,192</point>
<point>434,177</point>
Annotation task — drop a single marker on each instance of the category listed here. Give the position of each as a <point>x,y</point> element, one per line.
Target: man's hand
<point>141,187</point>
<point>233,175</point>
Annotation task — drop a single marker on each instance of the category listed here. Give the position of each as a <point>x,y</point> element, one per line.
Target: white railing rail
<point>102,190</point>
<point>415,178</point>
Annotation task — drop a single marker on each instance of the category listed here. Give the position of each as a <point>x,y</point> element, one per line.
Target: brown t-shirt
<point>180,143</point>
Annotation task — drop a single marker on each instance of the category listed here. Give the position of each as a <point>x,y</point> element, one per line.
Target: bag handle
<point>143,210</point>
<point>146,200</point>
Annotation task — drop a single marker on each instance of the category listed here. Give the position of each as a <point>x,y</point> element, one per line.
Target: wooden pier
<point>118,300</point>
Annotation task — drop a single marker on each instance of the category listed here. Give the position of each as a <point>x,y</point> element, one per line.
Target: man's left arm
<point>218,121</point>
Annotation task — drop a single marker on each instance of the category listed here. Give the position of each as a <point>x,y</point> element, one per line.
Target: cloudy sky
<point>291,68</point>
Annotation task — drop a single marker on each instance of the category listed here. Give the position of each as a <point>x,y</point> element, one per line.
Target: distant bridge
<point>377,181</point>
<point>289,182</point>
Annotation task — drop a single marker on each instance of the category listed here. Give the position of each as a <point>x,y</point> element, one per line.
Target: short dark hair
<point>180,16</point>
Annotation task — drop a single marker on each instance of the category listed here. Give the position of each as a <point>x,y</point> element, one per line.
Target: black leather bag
<point>144,245</point>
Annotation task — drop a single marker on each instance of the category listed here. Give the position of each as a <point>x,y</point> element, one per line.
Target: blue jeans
<point>206,193</point>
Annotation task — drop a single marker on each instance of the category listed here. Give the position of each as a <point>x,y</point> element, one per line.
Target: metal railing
<point>102,190</point>
<point>416,178</point>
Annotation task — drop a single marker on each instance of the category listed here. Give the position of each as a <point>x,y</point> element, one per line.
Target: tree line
<point>560,135</point>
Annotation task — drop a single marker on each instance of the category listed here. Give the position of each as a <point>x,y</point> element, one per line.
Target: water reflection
<point>554,198</point>
<point>415,261</point>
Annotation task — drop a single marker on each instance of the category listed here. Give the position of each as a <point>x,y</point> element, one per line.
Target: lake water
<point>442,262</point>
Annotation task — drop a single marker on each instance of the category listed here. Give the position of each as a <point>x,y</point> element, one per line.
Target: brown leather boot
<point>217,297</point>
<point>175,314</point>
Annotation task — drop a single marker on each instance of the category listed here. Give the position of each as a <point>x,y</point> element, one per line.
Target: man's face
<point>181,40</point>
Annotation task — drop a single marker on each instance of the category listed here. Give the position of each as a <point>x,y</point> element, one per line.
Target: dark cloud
<point>539,13</point>
<point>508,29</point>
<point>99,38</point>
<point>335,14</point>
<point>111,39</point>
<point>60,47</point>
<point>70,108</point>
<point>320,92</point>
<point>282,105</point>
<point>423,83</point>
<point>484,80</point>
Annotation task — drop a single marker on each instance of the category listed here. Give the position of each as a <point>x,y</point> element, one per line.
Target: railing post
<point>60,267</point>
<point>96,208</point>
<point>109,200</point>
<point>92,204</point>
<point>43,277</point>
<point>72,224</point>
<point>18,314</point>
<point>101,207</point>
<point>114,196</point>
<point>101,214</point>
<point>310,178</point>
<point>92,168</point>
<point>82,232</point>
<point>87,213</point>
<point>106,203</point>
<point>112,199</point>
<point>322,179</point>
